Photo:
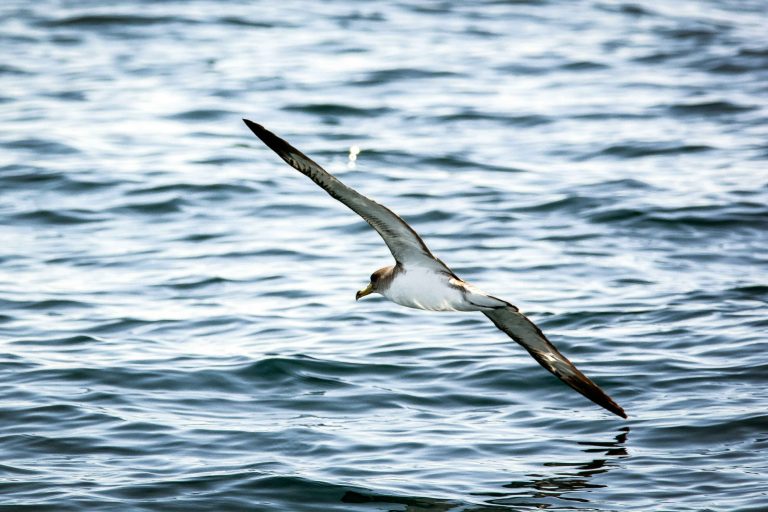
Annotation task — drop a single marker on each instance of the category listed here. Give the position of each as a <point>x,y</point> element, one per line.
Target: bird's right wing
<point>527,334</point>
<point>403,242</point>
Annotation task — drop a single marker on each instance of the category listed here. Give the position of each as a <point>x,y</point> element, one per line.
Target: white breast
<point>422,288</point>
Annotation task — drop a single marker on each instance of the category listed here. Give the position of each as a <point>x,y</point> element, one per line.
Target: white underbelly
<point>423,289</point>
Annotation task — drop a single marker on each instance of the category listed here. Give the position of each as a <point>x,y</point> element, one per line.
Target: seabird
<point>420,280</point>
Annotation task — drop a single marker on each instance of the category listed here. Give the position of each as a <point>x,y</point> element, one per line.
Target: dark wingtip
<point>255,127</point>
<point>589,389</point>
<point>273,142</point>
<point>608,403</point>
<point>619,412</point>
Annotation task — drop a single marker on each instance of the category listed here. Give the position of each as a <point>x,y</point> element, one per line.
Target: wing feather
<point>405,245</point>
<point>527,334</point>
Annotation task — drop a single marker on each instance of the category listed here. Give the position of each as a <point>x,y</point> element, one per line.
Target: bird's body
<point>419,280</point>
<point>432,289</point>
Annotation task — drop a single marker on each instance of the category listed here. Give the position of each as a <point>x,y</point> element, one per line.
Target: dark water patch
<point>23,174</point>
<point>699,217</point>
<point>386,76</point>
<point>234,489</point>
<point>735,64</point>
<point>657,57</point>
<point>583,65</point>
<point>242,21</point>
<point>708,108</point>
<point>80,340</point>
<point>609,187</point>
<point>141,378</point>
<point>73,416</point>
<point>284,369</point>
<point>603,116</point>
<point>696,33</point>
<point>217,189</point>
<point>223,160</point>
<point>122,325</point>
<point>98,21</point>
<point>648,149</point>
<point>519,68</point>
<point>168,206</point>
<point>67,95</point>
<point>755,292</point>
<point>12,471</point>
<point>576,237</point>
<point>61,217</point>
<point>202,115</point>
<point>29,176</point>
<point>725,430</point>
<point>274,252</point>
<point>201,237</point>
<point>7,69</point>
<point>432,216</point>
<point>457,162</point>
<point>66,39</point>
<point>197,283</point>
<point>337,110</point>
<point>629,8</point>
<point>577,319</point>
<point>411,503</point>
<point>41,445</point>
<point>512,120</point>
<point>41,146</point>
<point>569,205</point>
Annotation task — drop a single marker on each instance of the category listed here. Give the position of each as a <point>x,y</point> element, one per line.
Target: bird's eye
<point>374,277</point>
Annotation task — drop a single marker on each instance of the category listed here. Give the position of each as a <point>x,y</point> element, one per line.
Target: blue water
<point>178,323</point>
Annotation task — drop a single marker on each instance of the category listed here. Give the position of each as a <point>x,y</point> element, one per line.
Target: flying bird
<point>420,280</point>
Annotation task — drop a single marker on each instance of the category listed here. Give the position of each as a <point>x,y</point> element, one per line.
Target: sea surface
<point>178,329</point>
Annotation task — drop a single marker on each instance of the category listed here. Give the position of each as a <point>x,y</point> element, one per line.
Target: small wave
<point>385,76</point>
<point>457,162</point>
<point>61,217</point>
<point>108,20</point>
<point>7,69</point>
<point>249,22</point>
<point>173,205</point>
<point>193,188</point>
<point>512,120</point>
<point>707,108</point>
<point>640,150</point>
<point>699,217</point>
<point>583,65</point>
<point>700,33</point>
<point>26,176</point>
<point>336,109</point>
<point>68,341</point>
<point>571,205</point>
<point>292,366</point>
<point>201,115</point>
<point>42,146</point>
<point>197,283</point>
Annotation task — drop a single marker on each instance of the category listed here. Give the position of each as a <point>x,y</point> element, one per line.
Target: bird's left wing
<point>403,242</point>
<point>527,334</point>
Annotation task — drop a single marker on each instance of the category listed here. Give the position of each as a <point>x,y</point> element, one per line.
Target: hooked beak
<point>365,291</point>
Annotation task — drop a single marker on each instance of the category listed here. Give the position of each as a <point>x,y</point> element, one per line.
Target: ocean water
<point>178,328</point>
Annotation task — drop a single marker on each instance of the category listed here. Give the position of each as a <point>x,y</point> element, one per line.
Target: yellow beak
<point>365,291</point>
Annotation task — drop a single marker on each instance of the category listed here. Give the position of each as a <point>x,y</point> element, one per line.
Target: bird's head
<point>379,280</point>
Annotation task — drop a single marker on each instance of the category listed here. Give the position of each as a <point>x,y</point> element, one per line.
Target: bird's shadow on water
<point>557,490</point>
